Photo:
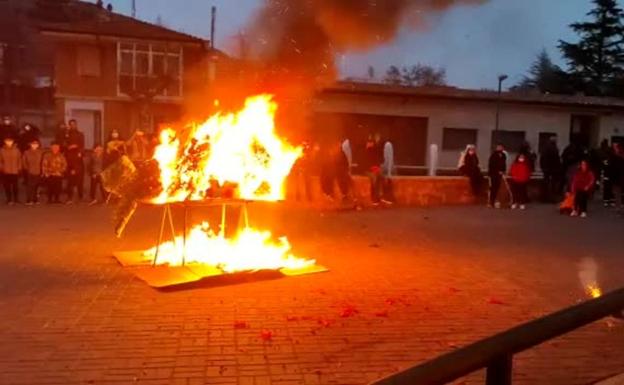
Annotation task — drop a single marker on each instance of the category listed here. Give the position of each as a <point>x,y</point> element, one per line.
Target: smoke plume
<point>290,48</point>
<point>302,37</point>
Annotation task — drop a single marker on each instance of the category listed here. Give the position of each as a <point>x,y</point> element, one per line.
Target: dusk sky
<point>473,43</point>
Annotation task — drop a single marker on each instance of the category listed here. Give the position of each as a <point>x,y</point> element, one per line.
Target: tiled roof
<point>75,16</point>
<point>444,92</point>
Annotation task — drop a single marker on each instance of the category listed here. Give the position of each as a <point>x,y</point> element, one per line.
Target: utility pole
<point>213,22</point>
<point>134,9</point>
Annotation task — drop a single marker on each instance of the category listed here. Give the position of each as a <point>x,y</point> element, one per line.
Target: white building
<point>413,118</point>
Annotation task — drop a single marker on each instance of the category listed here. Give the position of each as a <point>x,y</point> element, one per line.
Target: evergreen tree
<point>596,61</point>
<point>546,77</point>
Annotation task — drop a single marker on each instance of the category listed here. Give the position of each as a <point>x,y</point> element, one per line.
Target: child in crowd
<point>582,184</point>
<point>31,162</point>
<point>95,167</point>
<point>54,166</point>
<point>520,176</point>
<point>10,168</point>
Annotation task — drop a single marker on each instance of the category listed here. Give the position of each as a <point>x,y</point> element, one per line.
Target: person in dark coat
<point>74,154</point>
<point>303,171</point>
<point>608,171</point>
<point>550,163</point>
<point>28,135</point>
<point>497,167</point>
<point>373,161</point>
<point>570,159</point>
<point>335,170</point>
<point>469,166</point>
<point>618,174</point>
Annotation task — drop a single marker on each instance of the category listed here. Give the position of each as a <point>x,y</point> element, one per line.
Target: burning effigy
<point>231,159</point>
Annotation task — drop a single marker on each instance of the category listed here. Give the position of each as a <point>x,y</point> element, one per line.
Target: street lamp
<point>501,79</point>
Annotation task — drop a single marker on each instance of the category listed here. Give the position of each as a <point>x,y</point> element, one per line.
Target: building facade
<point>107,71</point>
<point>416,118</point>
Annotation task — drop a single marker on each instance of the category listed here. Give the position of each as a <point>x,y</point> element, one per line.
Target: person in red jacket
<point>582,184</point>
<point>520,176</point>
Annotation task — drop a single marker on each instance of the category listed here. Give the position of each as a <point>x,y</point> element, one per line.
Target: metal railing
<point>495,353</point>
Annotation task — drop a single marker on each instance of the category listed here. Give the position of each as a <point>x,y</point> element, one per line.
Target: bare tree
<point>416,75</point>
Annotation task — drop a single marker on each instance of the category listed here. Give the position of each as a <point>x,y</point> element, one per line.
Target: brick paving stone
<point>423,282</point>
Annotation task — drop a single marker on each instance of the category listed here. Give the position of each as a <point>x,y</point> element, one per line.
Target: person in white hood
<point>346,149</point>
<point>388,154</point>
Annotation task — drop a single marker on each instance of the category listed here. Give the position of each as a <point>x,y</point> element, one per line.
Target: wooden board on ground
<point>164,276</point>
<point>132,258</point>
<point>303,271</point>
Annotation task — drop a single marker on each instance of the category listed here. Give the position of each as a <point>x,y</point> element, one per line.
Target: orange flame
<point>249,250</point>
<point>238,149</point>
<point>593,290</point>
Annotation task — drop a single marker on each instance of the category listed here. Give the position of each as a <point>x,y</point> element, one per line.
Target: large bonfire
<point>240,150</point>
<point>230,157</point>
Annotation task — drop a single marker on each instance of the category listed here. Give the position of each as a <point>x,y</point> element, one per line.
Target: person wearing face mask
<point>53,167</point>
<point>31,162</point>
<point>10,166</point>
<point>115,147</point>
<point>520,177</point>
<point>95,166</point>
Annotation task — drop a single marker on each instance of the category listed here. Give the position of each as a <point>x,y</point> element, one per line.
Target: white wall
<point>531,118</point>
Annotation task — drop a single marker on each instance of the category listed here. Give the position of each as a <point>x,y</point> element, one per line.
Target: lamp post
<point>501,79</point>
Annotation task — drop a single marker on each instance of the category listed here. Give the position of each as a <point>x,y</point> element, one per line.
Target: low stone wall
<point>407,190</point>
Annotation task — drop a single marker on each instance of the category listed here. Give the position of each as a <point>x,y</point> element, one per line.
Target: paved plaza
<point>405,285</point>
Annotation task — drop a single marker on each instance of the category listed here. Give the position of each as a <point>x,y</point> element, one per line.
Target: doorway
<point>584,130</point>
<point>88,116</point>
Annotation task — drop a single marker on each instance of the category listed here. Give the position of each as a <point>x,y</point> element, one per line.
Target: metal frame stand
<point>167,216</point>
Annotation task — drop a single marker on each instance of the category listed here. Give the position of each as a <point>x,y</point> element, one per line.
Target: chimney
<point>109,7</point>
<point>100,3</point>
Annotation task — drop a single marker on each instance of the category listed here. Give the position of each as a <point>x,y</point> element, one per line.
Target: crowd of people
<point>333,163</point>
<point>63,170</point>
<point>570,177</point>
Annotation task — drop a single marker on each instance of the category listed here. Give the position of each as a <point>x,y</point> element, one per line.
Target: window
<point>142,67</point>
<point>544,139</point>
<point>512,140</point>
<point>458,138</point>
<point>88,61</point>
